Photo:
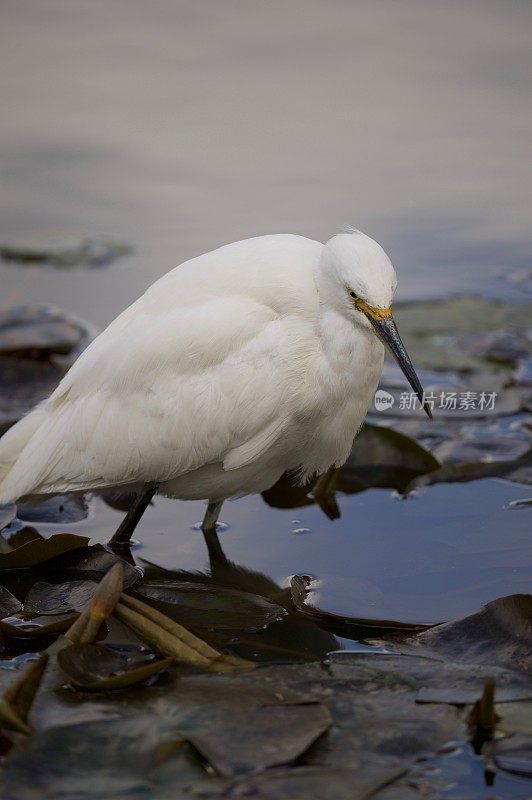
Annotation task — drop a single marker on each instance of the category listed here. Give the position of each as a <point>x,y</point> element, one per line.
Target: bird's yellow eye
<point>353,294</point>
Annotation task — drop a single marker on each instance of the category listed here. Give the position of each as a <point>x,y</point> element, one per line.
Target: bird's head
<point>362,286</point>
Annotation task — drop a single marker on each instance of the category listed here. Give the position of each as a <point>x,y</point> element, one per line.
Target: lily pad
<point>519,471</point>
<point>40,332</point>
<point>487,449</point>
<point>21,625</point>
<point>113,758</point>
<point>61,508</point>
<point>88,563</point>
<point>58,598</point>
<point>434,331</point>
<point>207,606</point>
<point>37,549</point>
<point>96,667</point>
<point>8,603</point>
<point>500,633</point>
<point>61,249</point>
<point>260,737</point>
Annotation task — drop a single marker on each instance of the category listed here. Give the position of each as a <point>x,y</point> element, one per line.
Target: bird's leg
<point>324,495</point>
<point>208,527</point>
<point>131,520</point>
<point>211,517</point>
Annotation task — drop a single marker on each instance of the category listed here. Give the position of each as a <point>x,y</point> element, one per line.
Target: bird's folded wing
<point>158,395</point>
<point>256,446</point>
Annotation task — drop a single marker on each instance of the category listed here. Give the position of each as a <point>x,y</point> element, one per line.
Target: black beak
<point>387,332</point>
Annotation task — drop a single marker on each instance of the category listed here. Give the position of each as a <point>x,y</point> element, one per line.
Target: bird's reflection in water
<point>380,458</point>
<point>296,637</point>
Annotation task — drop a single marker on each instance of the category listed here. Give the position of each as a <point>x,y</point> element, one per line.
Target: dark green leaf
<point>88,563</point>
<point>38,549</point>
<point>99,668</point>
<point>58,598</point>
<point>204,605</point>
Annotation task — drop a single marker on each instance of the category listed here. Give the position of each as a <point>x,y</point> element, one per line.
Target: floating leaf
<point>37,549</point>
<point>207,606</point>
<point>58,598</point>
<point>19,625</point>
<point>260,737</point>
<point>64,509</point>
<point>434,332</point>
<point>116,758</point>
<point>61,249</point>
<point>487,449</point>
<point>8,603</point>
<point>96,667</point>
<point>500,633</point>
<point>88,563</point>
<point>40,331</point>
<point>519,471</point>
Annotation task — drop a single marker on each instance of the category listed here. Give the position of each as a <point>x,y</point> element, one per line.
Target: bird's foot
<point>324,494</point>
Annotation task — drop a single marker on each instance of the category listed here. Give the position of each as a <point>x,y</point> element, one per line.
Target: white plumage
<point>234,367</point>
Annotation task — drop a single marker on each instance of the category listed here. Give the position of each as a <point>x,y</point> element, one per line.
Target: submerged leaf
<point>97,667</point>
<point>209,606</point>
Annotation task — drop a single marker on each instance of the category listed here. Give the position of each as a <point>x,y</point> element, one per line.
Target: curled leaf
<point>98,668</point>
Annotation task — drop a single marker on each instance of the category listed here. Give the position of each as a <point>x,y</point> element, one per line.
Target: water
<point>180,126</point>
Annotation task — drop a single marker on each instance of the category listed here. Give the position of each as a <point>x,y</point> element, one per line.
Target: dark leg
<point>324,494</point>
<point>208,526</point>
<point>131,520</point>
<point>211,516</point>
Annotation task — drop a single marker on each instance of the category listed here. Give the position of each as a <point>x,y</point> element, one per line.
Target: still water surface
<point>180,126</point>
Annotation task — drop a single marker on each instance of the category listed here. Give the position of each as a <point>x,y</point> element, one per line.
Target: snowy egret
<point>252,360</point>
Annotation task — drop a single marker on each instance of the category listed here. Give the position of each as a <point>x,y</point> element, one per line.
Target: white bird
<point>250,361</point>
